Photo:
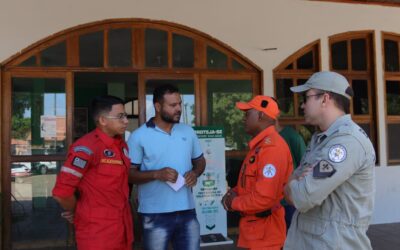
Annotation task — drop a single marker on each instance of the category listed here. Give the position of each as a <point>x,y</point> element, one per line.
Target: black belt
<point>264,214</point>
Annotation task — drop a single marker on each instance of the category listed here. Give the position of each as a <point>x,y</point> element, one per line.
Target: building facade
<point>55,56</point>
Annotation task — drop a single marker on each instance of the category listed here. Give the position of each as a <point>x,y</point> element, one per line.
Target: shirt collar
<point>256,140</point>
<point>335,126</point>
<point>150,124</point>
<point>109,141</point>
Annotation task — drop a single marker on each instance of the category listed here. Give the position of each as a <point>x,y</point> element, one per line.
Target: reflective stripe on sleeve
<point>71,171</point>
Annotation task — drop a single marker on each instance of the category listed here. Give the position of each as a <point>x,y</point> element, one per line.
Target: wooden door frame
<point>7,158</point>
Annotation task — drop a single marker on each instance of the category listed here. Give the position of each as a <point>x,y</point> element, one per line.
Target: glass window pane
<point>35,215</point>
<point>300,97</point>
<point>216,59</point>
<point>38,116</point>
<point>222,96</point>
<point>237,65</point>
<point>359,54</point>
<point>31,61</point>
<point>285,97</point>
<point>91,49</point>
<point>393,97</point>
<point>360,99</point>
<point>394,142</point>
<point>186,88</point>
<point>306,61</point>
<point>183,51</point>
<point>120,47</point>
<point>339,55</point>
<point>156,45</point>
<point>290,66</point>
<point>89,85</point>
<point>55,55</point>
<point>391,55</point>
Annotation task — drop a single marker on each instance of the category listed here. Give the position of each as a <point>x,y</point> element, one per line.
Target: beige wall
<point>247,26</point>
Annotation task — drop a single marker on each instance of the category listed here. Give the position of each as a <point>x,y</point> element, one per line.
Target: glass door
<point>38,144</point>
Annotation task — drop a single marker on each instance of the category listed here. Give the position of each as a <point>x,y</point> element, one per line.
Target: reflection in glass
<point>222,96</point>
<point>285,96</point>
<point>360,99</point>
<point>55,55</point>
<point>156,46</point>
<point>394,143</point>
<point>216,59</point>
<point>31,61</point>
<point>393,97</point>
<point>38,116</point>
<point>391,55</point>
<point>366,127</point>
<point>91,49</point>
<point>290,66</point>
<point>183,51</point>
<point>339,55</point>
<point>186,88</point>
<point>306,61</point>
<point>35,215</point>
<point>120,47</point>
<point>359,54</point>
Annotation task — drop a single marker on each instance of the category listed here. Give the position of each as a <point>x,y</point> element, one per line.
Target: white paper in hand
<point>180,181</point>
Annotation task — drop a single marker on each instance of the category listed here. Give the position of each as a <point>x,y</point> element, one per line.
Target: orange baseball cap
<point>262,103</point>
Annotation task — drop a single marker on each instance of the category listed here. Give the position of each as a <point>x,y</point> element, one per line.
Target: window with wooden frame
<point>127,57</point>
<point>352,56</point>
<point>391,43</point>
<point>293,71</point>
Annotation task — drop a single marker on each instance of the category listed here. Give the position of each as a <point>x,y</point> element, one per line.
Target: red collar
<point>109,141</point>
<point>266,132</point>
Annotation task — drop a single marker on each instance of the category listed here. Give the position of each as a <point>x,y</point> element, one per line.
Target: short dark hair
<point>160,91</point>
<point>101,104</point>
<point>342,102</point>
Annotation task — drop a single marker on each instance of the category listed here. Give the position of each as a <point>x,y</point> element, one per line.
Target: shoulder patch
<point>79,162</point>
<point>83,149</point>
<point>269,171</point>
<point>337,153</point>
<point>323,169</point>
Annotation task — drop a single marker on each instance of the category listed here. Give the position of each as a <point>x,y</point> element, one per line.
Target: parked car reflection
<point>18,171</point>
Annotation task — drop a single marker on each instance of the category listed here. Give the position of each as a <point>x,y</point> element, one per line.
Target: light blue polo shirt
<point>152,149</point>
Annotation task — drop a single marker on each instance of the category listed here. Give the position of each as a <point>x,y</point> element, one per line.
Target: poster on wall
<point>210,188</point>
<point>48,126</point>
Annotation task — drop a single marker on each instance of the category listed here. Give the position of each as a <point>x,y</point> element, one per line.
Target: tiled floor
<point>383,237</point>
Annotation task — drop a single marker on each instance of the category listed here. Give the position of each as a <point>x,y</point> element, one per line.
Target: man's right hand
<point>167,174</point>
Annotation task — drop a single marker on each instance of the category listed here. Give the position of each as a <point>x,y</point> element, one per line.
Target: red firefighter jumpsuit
<point>97,167</point>
<point>262,177</point>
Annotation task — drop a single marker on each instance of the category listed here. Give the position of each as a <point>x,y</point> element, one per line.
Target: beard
<point>170,118</point>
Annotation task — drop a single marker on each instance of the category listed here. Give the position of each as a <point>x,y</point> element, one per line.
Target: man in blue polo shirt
<point>166,160</point>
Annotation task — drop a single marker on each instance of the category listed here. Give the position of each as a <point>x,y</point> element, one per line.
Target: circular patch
<point>269,171</point>
<point>108,153</point>
<point>337,153</point>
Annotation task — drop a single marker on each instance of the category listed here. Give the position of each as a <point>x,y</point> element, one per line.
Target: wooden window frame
<point>280,72</point>
<point>369,75</point>
<point>390,76</point>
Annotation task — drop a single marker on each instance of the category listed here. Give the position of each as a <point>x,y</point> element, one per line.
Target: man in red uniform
<point>263,175</point>
<point>97,169</point>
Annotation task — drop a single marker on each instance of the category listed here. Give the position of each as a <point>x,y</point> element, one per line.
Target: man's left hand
<point>190,178</point>
<point>228,199</point>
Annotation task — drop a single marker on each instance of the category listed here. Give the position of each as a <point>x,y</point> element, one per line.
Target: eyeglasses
<point>120,116</point>
<point>305,97</point>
